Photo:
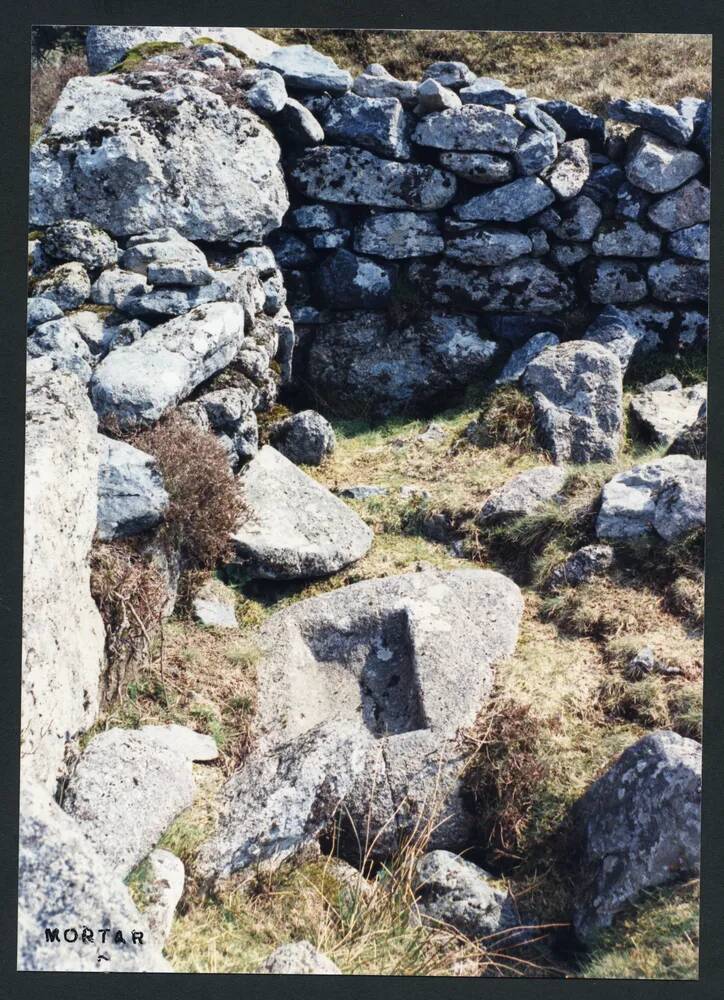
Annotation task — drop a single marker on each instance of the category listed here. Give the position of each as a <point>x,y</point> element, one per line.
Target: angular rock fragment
<point>664,413</point>
<point>570,171</point>
<point>519,360</point>
<point>68,285</point>
<point>535,151</point>
<point>582,565</point>
<point>375,81</point>
<point>488,247</point>
<point>305,438</point>
<point>478,168</point>
<point>76,240</point>
<point>131,495</point>
<point>357,177</point>
<point>523,494</point>
<point>397,235</point>
<point>673,280</point>
<point>295,527</point>
<point>666,497</point>
<point>626,239</point>
<point>512,202</point>
<point>656,166</point>
<point>303,68</point>
<point>639,826</point>
<point>578,397</point>
<point>682,208</point>
<point>473,128</point>
<point>661,119</point>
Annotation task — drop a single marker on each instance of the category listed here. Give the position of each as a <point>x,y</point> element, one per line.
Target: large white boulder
<point>133,160</point>
<point>63,636</point>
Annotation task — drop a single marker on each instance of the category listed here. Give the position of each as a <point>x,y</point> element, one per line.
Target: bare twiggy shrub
<point>507,417</point>
<point>204,503</point>
<point>131,595</point>
<point>47,80</point>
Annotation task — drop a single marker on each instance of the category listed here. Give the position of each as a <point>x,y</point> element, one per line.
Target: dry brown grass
<point>587,68</point>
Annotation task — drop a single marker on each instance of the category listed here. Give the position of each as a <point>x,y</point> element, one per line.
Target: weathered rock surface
<point>661,119</point>
<point>363,364</point>
<point>570,171</point>
<point>656,166</point>
<point>349,281</point>
<point>536,150</point>
<point>297,126</point>
<point>109,149</point>
<point>64,883</point>
<point>305,438</point>
<point>452,73</point>
<point>396,235</point>
<point>377,82</point>
<point>616,329</point>
<point>107,44</point>
<point>692,242</point>
<point>582,565</point>
<point>139,383</point>
<point>382,653</point>
<point>42,310</point>
<point>577,219</point>
<point>489,91</point>
<point>578,397</point>
<point>666,498</point>
<point>303,68</point>
<point>131,494</point>
<point>61,345</point>
<point>375,123</point>
<point>432,96</point>
<point>682,208</point>
<point>68,285</point>
<point>356,177</point>
<point>300,958</point>
<point>512,202</point>
<point>488,246</point>
<point>215,605</point>
<point>523,494</point>
<point>673,280</point>
<point>692,440</point>
<point>76,240</point>
<point>126,789</point>
<point>639,826</point>
<point>163,890</point>
<point>281,800</point>
<point>664,413</point>
<point>473,128</point>
<point>267,95</point>
<point>63,636</point>
<point>296,527</point>
<point>165,257</point>
<point>626,239</point>
<point>456,893</point>
<point>519,360</point>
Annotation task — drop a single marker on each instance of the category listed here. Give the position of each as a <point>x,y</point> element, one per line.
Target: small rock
<point>692,242</point>
<point>639,826</point>
<point>305,438</point>
<point>489,91</point>
<point>626,239</point>
<point>449,74</point>
<point>357,177</point>
<point>397,235</point>
<point>684,207</point>
<point>523,494</point>
<point>666,497</point>
<point>298,959</point>
<point>530,112</point>
<point>363,492</point>
<point>67,285</point>
<point>214,605</point>
<point>664,413</point>
<point>673,280</point>
<point>615,281</point>
<point>578,397</point>
<point>519,360</point>
<point>60,343</point>
<point>75,240</point>
<point>512,202</point>
<point>377,82</point>
<point>126,789</point>
<point>614,329</point>
<point>472,128</point>
<point>296,528</point>
<point>303,68</point>
<point>582,565</point>
<point>656,166</point>
<point>536,150</point>
<point>577,123</point>
<point>571,170</point>
<point>131,494</point>
<point>297,125</point>
<point>118,288</point>
<point>432,96</point>
<point>453,892</point>
<point>268,95</point>
<point>661,119</point>
<point>478,168</point>
<point>349,281</point>
<point>631,202</point>
<point>42,310</point>
<point>163,889</point>
<point>576,220</point>
<point>488,246</point>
